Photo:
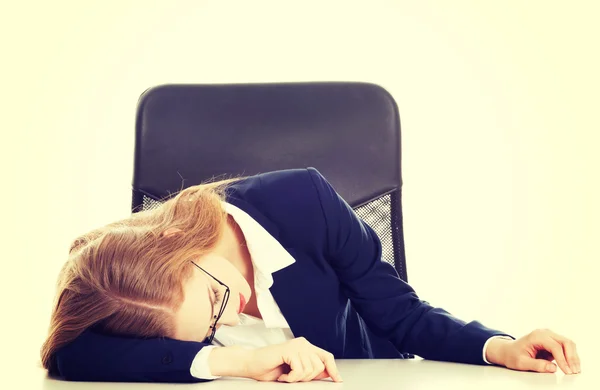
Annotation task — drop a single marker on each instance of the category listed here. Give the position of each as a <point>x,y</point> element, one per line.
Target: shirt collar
<point>268,255</point>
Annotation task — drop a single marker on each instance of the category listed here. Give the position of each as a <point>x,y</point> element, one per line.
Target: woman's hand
<point>535,352</point>
<point>296,360</point>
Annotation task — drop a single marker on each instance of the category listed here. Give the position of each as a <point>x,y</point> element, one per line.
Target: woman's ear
<point>170,231</point>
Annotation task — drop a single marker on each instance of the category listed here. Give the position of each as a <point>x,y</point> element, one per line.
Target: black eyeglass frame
<point>216,317</point>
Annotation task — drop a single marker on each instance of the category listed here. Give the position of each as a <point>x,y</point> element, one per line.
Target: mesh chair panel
<point>148,203</point>
<point>376,214</point>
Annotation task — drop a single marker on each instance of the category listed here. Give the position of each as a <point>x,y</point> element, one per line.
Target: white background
<point>499,109</point>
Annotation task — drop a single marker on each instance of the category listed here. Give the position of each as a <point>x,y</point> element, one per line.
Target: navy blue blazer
<point>338,294</point>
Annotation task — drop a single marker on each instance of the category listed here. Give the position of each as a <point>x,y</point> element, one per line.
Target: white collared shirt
<point>268,256</point>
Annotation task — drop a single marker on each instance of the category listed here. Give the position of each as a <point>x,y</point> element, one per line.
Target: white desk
<point>368,375</point>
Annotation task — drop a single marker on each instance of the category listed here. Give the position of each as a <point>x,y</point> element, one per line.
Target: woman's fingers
<point>307,368</point>
<point>296,369</point>
<point>313,366</point>
<point>537,365</point>
<point>317,368</point>
<point>329,362</point>
<point>543,354</point>
<point>549,344</point>
<point>572,356</point>
<point>322,375</point>
<point>570,351</point>
<point>307,362</point>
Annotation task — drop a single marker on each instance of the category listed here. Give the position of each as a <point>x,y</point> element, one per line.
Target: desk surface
<point>372,374</point>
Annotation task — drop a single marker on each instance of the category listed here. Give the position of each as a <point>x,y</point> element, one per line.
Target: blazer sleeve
<point>388,305</point>
<point>95,356</point>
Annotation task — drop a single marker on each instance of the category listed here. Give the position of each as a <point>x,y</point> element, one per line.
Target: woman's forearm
<point>229,361</point>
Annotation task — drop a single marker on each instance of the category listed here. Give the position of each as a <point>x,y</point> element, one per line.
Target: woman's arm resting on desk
<point>99,357</point>
<point>388,305</point>
<point>391,308</point>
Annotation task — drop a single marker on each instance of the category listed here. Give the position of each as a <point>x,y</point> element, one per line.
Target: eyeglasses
<point>216,317</point>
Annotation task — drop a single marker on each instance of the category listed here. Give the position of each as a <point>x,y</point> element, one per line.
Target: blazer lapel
<point>299,300</point>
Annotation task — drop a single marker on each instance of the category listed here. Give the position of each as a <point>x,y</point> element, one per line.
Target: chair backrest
<point>350,132</point>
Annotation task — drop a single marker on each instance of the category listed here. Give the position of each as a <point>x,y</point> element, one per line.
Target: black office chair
<point>350,132</point>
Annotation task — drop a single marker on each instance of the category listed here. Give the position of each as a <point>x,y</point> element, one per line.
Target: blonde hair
<point>126,278</point>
